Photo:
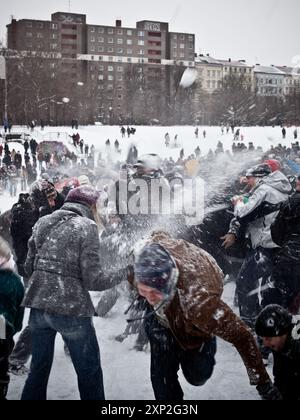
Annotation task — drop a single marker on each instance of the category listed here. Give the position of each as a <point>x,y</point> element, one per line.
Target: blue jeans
<point>166,358</point>
<point>80,338</point>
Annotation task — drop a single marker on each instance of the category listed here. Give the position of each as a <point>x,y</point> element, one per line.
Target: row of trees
<point>149,96</point>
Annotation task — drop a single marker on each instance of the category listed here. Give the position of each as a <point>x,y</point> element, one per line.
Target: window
<point>141,42</point>
<point>181,55</point>
<point>129,32</point>
<point>191,46</point>
<point>182,37</point>
<point>53,46</point>
<point>92,39</point>
<point>110,68</point>
<point>110,31</point>
<point>141,52</point>
<point>40,25</point>
<point>93,48</point>
<point>208,73</point>
<point>182,46</point>
<point>39,35</point>
<point>141,33</point>
<point>129,52</point>
<point>110,87</point>
<point>29,44</point>
<point>110,77</point>
<point>100,77</point>
<point>120,69</point>
<point>29,34</point>
<point>120,32</point>
<point>213,73</point>
<point>92,29</point>
<point>174,54</point>
<point>110,50</point>
<point>100,49</point>
<point>65,36</point>
<point>120,96</point>
<point>29,24</point>
<point>54,26</point>
<point>208,84</point>
<point>100,39</point>
<point>101,30</point>
<point>174,36</point>
<point>120,41</point>
<point>120,88</point>
<point>129,41</point>
<point>110,58</point>
<point>53,36</point>
<point>120,78</point>
<point>129,60</point>
<point>101,68</point>
<point>191,38</point>
<point>100,58</point>
<point>120,50</point>
<point>110,40</point>
<point>175,46</point>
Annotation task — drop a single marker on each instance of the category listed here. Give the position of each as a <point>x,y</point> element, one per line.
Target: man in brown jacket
<point>183,285</point>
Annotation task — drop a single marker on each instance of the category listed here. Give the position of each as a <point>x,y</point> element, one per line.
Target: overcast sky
<point>260,31</point>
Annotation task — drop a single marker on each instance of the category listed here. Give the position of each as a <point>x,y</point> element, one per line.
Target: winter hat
<point>84,180</point>
<point>274,164</point>
<point>259,171</point>
<point>273,321</point>
<point>156,268</point>
<point>84,195</point>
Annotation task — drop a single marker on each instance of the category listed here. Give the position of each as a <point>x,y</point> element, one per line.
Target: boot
<point>3,389</point>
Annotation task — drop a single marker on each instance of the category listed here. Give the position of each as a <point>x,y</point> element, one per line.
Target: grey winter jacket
<point>63,263</point>
<point>271,190</point>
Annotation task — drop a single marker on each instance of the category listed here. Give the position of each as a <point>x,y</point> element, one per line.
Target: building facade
<point>113,65</point>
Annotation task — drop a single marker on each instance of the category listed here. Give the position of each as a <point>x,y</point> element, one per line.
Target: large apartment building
<point>117,61</point>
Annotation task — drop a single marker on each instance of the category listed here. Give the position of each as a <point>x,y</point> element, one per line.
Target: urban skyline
<point>265,33</point>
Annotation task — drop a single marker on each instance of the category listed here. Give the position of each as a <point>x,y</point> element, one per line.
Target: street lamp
<point>110,109</point>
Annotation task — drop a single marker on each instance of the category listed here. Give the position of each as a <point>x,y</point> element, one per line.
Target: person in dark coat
<point>183,286</point>
<point>11,313</point>
<point>286,234</point>
<point>63,263</point>
<point>26,146</point>
<point>281,333</point>
<point>24,217</point>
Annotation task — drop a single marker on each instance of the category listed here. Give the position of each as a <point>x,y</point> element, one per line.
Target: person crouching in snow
<point>281,333</point>
<point>183,285</point>
<point>11,313</point>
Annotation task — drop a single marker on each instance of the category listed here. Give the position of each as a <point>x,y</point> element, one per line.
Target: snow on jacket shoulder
<point>197,312</point>
<point>64,263</point>
<point>271,190</point>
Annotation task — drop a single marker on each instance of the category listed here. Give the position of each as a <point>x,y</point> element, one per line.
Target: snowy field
<point>126,372</point>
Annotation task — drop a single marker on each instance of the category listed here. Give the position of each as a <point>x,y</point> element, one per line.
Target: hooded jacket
<point>269,192</point>
<point>197,313</point>
<point>63,263</point>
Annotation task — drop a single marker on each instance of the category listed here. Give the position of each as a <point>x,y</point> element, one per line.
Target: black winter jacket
<point>286,229</point>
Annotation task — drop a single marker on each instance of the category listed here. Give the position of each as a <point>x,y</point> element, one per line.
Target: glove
<point>269,392</point>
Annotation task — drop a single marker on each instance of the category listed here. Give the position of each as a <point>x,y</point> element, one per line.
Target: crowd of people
<point>66,214</point>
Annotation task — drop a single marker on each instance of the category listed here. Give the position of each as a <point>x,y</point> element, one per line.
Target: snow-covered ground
<point>126,372</point>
